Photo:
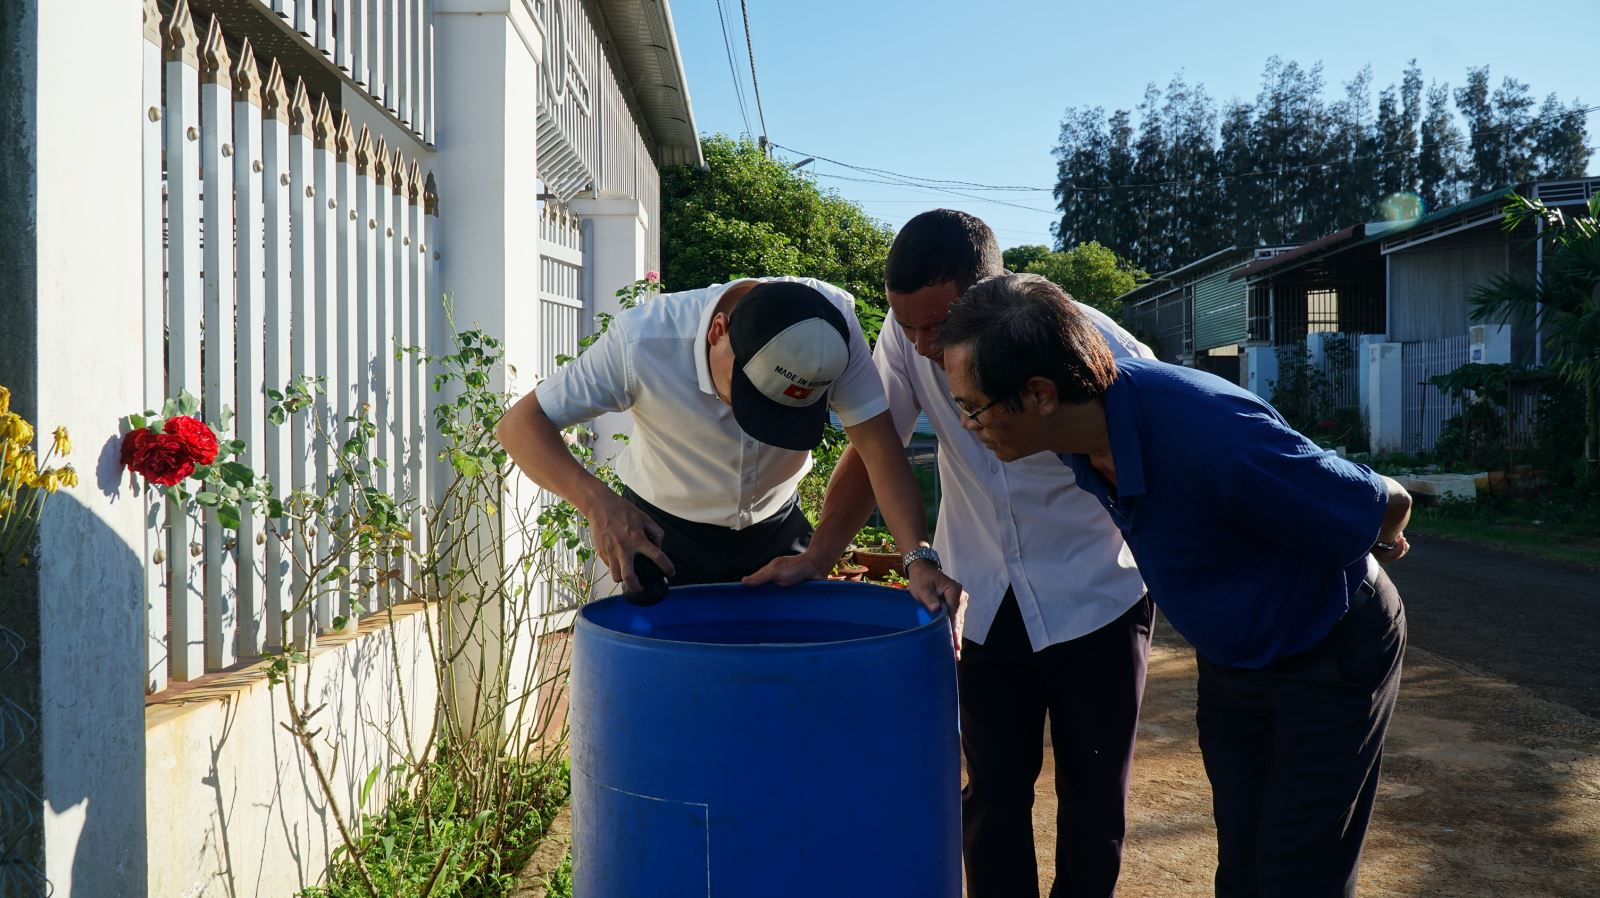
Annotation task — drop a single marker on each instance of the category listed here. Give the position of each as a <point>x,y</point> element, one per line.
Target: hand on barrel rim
<point>934,588</point>
<point>619,530</point>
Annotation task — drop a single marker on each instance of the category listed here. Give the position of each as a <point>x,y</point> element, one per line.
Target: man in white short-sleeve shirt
<point>1057,622</point>
<point>729,389</point>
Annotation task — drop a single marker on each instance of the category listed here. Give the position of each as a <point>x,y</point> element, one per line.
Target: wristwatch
<point>920,553</point>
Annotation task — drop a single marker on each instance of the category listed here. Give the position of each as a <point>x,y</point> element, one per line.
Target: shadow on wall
<point>82,671</point>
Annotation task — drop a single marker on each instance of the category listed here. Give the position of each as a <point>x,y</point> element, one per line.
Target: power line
<point>738,84</point>
<point>933,183</point>
<point>750,48</point>
<point>943,190</point>
<point>970,185</point>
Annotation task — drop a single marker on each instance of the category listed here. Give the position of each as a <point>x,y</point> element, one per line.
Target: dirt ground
<point>1490,788</point>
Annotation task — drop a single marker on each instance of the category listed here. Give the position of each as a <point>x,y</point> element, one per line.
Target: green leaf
<point>188,403</point>
<point>235,473</point>
<point>337,572</point>
<point>228,515</point>
<point>276,415</point>
<point>210,500</point>
<point>367,784</point>
<point>136,421</point>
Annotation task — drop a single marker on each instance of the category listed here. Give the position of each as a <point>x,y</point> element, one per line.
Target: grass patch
<point>1559,525</point>
<point>561,879</point>
<point>427,844</point>
<point>1527,540</point>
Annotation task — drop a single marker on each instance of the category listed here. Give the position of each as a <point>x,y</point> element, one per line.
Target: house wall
<point>1430,287</point>
<point>1219,311</point>
<point>232,804</point>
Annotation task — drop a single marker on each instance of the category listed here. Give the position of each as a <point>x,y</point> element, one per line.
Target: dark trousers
<point>707,553</point>
<point>1293,753</point>
<point>1091,686</point>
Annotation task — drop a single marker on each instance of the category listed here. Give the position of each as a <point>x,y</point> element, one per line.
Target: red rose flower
<point>162,458</point>
<point>195,435</point>
<point>131,444</point>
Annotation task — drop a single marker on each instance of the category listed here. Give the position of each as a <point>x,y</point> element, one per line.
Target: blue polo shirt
<point>1251,538</point>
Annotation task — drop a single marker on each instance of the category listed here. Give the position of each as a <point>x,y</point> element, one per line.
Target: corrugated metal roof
<point>1175,275</point>
<point>647,46</point>
<point>1303,252</point>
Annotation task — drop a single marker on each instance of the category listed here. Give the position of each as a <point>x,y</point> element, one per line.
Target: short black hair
<point>1021,326</point>
<point>942,245</point>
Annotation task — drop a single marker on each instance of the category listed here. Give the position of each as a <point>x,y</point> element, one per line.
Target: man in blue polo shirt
<point>1261,549</point>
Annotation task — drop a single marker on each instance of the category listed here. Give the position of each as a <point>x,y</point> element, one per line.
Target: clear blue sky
<point>975,91</point>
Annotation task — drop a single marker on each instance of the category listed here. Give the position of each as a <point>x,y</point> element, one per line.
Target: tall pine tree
<point>1561,140</point>
<point>1182,180</point>
<point>1439,159</point>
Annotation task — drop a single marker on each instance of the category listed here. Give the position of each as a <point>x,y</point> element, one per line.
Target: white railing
<point>563,320</point>
<point>384,46</point>
<point>293,247</point>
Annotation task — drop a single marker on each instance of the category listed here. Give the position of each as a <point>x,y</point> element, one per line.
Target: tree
<point>1439,160</point>
<point>1236,164</point>
<point>1565,298</point>
<point>1561,140</point>
<point>1410,125</point>
<point>747,215</point>
<point>1514,132</point>
<point>1184,180</point>
<point>1189,123</point>
<point>1018,258</point>
<point>1091,273</point>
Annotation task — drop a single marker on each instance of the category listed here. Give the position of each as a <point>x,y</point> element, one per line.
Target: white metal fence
<point>279,243</point>
<point>384,46</point>
<point>1426,409</point>
<point>562,321</point>
<point>1340,363</point>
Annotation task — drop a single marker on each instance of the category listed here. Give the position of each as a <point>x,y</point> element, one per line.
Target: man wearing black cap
<point>729,389</point>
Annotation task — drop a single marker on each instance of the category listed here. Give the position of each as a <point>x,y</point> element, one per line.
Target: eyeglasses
<point>973,414</point>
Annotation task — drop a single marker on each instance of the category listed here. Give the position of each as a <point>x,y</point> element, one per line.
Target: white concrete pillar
<point>1364,371</point>
<point>70,350</point>
<point>615,229</point>
<point>1385,397</point>
<point>488,54</point>
<point>1261,370</point>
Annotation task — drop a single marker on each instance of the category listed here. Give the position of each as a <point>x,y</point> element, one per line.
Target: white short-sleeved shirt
<point>687,455</point>
<point>1023,524</point>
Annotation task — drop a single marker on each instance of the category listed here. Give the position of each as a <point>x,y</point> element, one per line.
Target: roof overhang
<point>646,45</point>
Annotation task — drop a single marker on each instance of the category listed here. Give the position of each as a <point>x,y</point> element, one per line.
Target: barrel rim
<point>940,620</point>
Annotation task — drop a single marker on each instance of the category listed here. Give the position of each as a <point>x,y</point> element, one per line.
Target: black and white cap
<point>789,345</point>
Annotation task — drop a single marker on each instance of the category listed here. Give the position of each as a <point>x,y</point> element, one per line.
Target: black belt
<point>1364,591</point>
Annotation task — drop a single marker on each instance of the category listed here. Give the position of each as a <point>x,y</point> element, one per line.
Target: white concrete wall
<point>234,807</point>
<point>84,114</point>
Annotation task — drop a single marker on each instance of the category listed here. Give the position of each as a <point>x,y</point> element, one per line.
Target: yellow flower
<point>23,467</point>
<point>69,476</point>
<point>63,443</point>
<point>49,481</point>
<point>5,402</point>
<point>17,430</point>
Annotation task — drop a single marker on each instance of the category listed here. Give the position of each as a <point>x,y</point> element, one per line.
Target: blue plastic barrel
<point>765,743</point>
